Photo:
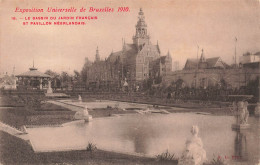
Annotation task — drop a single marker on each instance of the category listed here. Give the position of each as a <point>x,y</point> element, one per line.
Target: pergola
<point>33,79</point>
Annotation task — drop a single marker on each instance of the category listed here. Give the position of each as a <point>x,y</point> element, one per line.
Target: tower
<point>141,37</point>
<point>97,55</point>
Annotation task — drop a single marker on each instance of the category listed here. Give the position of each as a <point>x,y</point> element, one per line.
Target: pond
<point>153,134</point>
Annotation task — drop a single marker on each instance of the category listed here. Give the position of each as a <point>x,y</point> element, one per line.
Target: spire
<point>14,70</point>
<point>141,36</point>
<point>202,58</point>
<point>158,47</point>
<point>97,55</point>
<point>124,46</point>
<point>33,68</point>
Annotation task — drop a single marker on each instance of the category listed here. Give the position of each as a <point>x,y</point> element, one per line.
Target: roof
<point>162,59</point>
<point>129,51</point>
<point>191,63</point>
<point>211,63</point>
<point>33,73</point>
<point>257,54</point>
<point>114,56</point>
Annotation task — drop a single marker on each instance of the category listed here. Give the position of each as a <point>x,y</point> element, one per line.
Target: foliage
<point>76,76</point>
<point>216,161</point>
<point>147,84</point>
<point>32,102</point>
<point>165,156</point>
<point>91,147</point>
<point>251,87</point>
<point>84,71</point>
<point>52,73</point>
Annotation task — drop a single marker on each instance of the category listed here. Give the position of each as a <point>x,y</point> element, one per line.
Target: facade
<point>203,78</point>
<point>249,58</point>
<point>207,72</point>
<point>133,64</point>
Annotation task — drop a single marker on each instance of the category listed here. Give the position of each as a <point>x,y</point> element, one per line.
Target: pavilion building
<point>33,79</point>
<point>135,62</point>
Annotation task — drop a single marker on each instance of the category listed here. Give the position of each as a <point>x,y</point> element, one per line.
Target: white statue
<point>194,153</point>
<point>85,111</point>
<point>49,90</point>
<point>80,99</point>
<point>83,115</point>
<point>243,112</point>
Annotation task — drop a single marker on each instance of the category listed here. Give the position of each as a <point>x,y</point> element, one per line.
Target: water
<point>153,134</point>
<point>104,104</point>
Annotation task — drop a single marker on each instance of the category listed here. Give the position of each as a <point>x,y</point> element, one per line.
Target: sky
<point>179,26</point>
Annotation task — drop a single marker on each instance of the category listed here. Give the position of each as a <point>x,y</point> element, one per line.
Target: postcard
<point>129,82</point>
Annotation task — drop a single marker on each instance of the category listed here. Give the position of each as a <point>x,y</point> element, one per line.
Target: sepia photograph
<point>130,82</point>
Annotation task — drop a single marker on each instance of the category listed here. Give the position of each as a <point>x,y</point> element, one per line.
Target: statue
<point>83,115</point>
<point>49,90</point>
<point>85,111</point>
<point>194,153</point>
<point>80,99</point>
<point>243,112</point>
<point>242,116</point>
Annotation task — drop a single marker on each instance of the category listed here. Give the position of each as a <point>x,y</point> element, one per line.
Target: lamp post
<point>118,80</point>
<point>235,51</point>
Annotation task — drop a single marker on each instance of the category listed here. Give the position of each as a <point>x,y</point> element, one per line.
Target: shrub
<point>216,161</point>
<point>165,156</point>
<point>91,147</point>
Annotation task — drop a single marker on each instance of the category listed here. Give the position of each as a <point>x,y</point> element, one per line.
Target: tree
<point>84,71</point>
<point>65,79</point>
<point>51,73</point>
<point>77,76</point>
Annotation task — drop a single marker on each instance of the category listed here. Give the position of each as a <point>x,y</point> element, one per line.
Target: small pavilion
<point>33,79</point>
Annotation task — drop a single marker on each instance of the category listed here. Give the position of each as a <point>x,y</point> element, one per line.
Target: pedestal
<point>49,90</point>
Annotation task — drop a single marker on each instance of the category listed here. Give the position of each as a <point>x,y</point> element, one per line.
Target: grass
<point>16,151</point>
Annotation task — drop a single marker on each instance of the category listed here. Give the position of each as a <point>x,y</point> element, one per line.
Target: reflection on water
<point>153,134</point>
<point>241,146</point>
<point>247,143</point>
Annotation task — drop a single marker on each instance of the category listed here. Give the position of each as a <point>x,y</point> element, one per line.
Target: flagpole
<point>235,51</point>
<point>197,66</point>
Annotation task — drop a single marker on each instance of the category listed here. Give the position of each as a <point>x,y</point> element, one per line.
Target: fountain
<point>194,153</point>
<point>83,115</point>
